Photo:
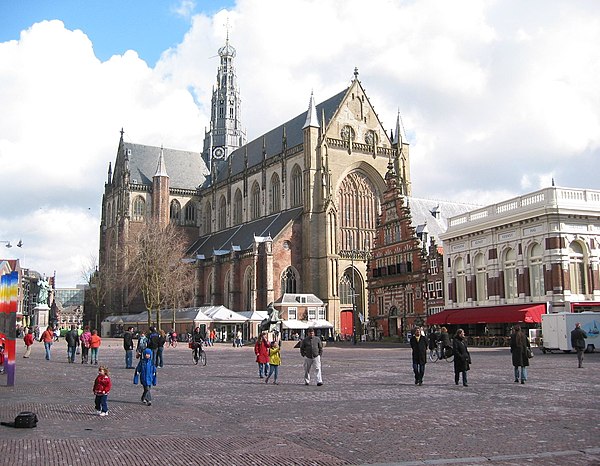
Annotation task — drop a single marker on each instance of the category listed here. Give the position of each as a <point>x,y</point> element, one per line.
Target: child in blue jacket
<point>145,373</point>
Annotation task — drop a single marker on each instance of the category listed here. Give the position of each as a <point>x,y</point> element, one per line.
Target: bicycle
<point>441,353</point>
<point>173,340</point>
<point>198,354</point>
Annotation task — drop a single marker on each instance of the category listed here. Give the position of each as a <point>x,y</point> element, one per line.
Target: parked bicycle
<point>441,353</point>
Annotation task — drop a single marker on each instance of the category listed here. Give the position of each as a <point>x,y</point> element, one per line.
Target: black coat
<point>462,358</point>
<point>578,337</point>
<point>128,340</point>
<point>519,351</point>
<point>419,349</point>
<point>445,338</point>
<point>72,338</point>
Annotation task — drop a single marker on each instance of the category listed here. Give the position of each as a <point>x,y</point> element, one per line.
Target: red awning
<point>508,314</point>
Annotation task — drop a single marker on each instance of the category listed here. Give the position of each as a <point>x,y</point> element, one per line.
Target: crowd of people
<point>149,350</point>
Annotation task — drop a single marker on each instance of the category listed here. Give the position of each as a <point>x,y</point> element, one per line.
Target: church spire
<point>311,115</point>
<point>226,132</point>
<point>161,169</point>
<point>398,137</point>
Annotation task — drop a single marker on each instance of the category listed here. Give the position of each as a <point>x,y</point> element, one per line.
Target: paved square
<point>368,411</point>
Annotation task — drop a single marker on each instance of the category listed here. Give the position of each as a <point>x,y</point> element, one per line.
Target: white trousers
<point>308,363</point>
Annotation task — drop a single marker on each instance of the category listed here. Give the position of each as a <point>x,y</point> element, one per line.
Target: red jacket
<point>261,349</point>
<point>102,385</point>
<point>28,339</point>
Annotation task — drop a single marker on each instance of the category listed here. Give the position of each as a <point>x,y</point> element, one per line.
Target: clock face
<point>218,152</point>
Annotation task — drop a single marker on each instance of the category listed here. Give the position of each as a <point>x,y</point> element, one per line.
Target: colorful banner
<point>8,322</point>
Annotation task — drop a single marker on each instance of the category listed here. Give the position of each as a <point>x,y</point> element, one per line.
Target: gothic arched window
<point>207,223</point>
<point>358,204</point>
<point>296,188</point>
<point>190,213</point>
<point>175,211</point>
<point>275,194</point>
<point>255,202</point>
<point>222,213</point>
<point>237,208</point>
<point>288,281</point>
<point>247,290</point>
<point>139,209</point>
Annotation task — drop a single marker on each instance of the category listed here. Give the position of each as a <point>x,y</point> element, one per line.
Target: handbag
<point>529,353</point>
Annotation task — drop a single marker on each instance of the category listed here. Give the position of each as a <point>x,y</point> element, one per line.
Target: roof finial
<point>355,72</point>
<point>311,115</point>
<point>161,169</point>
<point>552,181</point>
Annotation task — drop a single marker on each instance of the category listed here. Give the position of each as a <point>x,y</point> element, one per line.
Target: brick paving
<point>368,412</point>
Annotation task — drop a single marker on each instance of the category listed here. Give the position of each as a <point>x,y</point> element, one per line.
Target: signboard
<point>8,321</point>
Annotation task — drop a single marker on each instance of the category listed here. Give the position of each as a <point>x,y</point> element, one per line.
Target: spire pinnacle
<point>161,169</point>
<point>311,114</point>
<point>398,138</point>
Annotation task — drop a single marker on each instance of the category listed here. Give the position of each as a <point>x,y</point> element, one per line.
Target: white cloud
<point>494,103</point>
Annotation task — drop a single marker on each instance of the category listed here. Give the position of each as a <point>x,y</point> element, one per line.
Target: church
<point>293,210</point>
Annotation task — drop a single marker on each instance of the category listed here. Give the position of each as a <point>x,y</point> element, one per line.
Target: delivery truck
<point>557,327</point>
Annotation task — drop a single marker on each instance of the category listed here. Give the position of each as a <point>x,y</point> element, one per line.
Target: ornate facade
<point>293,210</point>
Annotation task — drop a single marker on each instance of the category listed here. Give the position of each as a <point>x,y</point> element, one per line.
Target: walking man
<point>419,345</point>
<point>312,349</point>
<point>72,339</point>
<point>578,337</point>
<point>128,347</point>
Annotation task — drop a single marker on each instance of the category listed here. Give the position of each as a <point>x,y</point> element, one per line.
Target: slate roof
<point>242,236</point>
<point>423,219</point>
<point>186,170</point>
<point>273,140</point>
<point>294,299</point>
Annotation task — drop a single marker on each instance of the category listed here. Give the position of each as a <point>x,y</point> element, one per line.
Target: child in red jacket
<point>102,386</point>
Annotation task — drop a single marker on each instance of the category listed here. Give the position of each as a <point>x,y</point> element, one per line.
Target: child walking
<point>145,373</point>
<point>95,342</point>
<point>102,386</point>
<point>274,362</point>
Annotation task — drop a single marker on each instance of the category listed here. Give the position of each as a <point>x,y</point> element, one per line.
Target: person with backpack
<point>162,339</point>
<point>142,343</point>
<point>128,347</point>
<point>72,339</point>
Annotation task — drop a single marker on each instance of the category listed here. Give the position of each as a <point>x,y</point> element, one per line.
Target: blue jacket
<point>145,372</point>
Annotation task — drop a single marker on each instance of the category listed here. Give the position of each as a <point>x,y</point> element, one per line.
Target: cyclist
<point>197,341</point>
<point>445,340</point>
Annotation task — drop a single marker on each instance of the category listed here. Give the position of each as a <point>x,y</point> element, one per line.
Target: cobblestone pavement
<point>369,411</point>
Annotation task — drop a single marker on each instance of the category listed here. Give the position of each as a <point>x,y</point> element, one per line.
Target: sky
<point>497,98</point>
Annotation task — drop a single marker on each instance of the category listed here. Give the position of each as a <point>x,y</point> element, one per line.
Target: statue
<point>44,286</point>
<point>272,321</point>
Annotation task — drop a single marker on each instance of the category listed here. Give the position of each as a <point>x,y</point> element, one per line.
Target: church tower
<point>225,133</point>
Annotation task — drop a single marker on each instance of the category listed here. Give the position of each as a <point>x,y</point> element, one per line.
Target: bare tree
<point>98,285</point>
<point>156,266</point>
<point>180,287</point>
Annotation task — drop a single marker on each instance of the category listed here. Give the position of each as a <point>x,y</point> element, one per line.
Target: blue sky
<point>496,98</point>
<point>114,26</point>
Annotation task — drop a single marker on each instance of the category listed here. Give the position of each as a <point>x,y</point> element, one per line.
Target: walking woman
<point>519,345</point>
<point>462,358</point>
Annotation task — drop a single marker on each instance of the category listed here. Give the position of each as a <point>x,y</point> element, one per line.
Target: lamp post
<point>352,253</point>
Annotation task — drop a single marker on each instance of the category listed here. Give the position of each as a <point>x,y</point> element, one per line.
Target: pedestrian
<point>142,343</point>
<point>48,337</point>
<point>128,347</point>
<point>462,358</point>
<point>211,337</point>
<point>419,345</point>
<point>162,339</point>
<point>145,373</point>
<point>153,341</point>
<point>102,386</point>
<point>28,340</point>
<point>85,338</point>
<point>261,349</point>
<point>274,362</point>
<point>95,342</point>
<point>446,344</point>
<point>519,345</point>
<point>238,339</point>
<point>311,350</point>
<point>578,337</point>
<point>72,339</point>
